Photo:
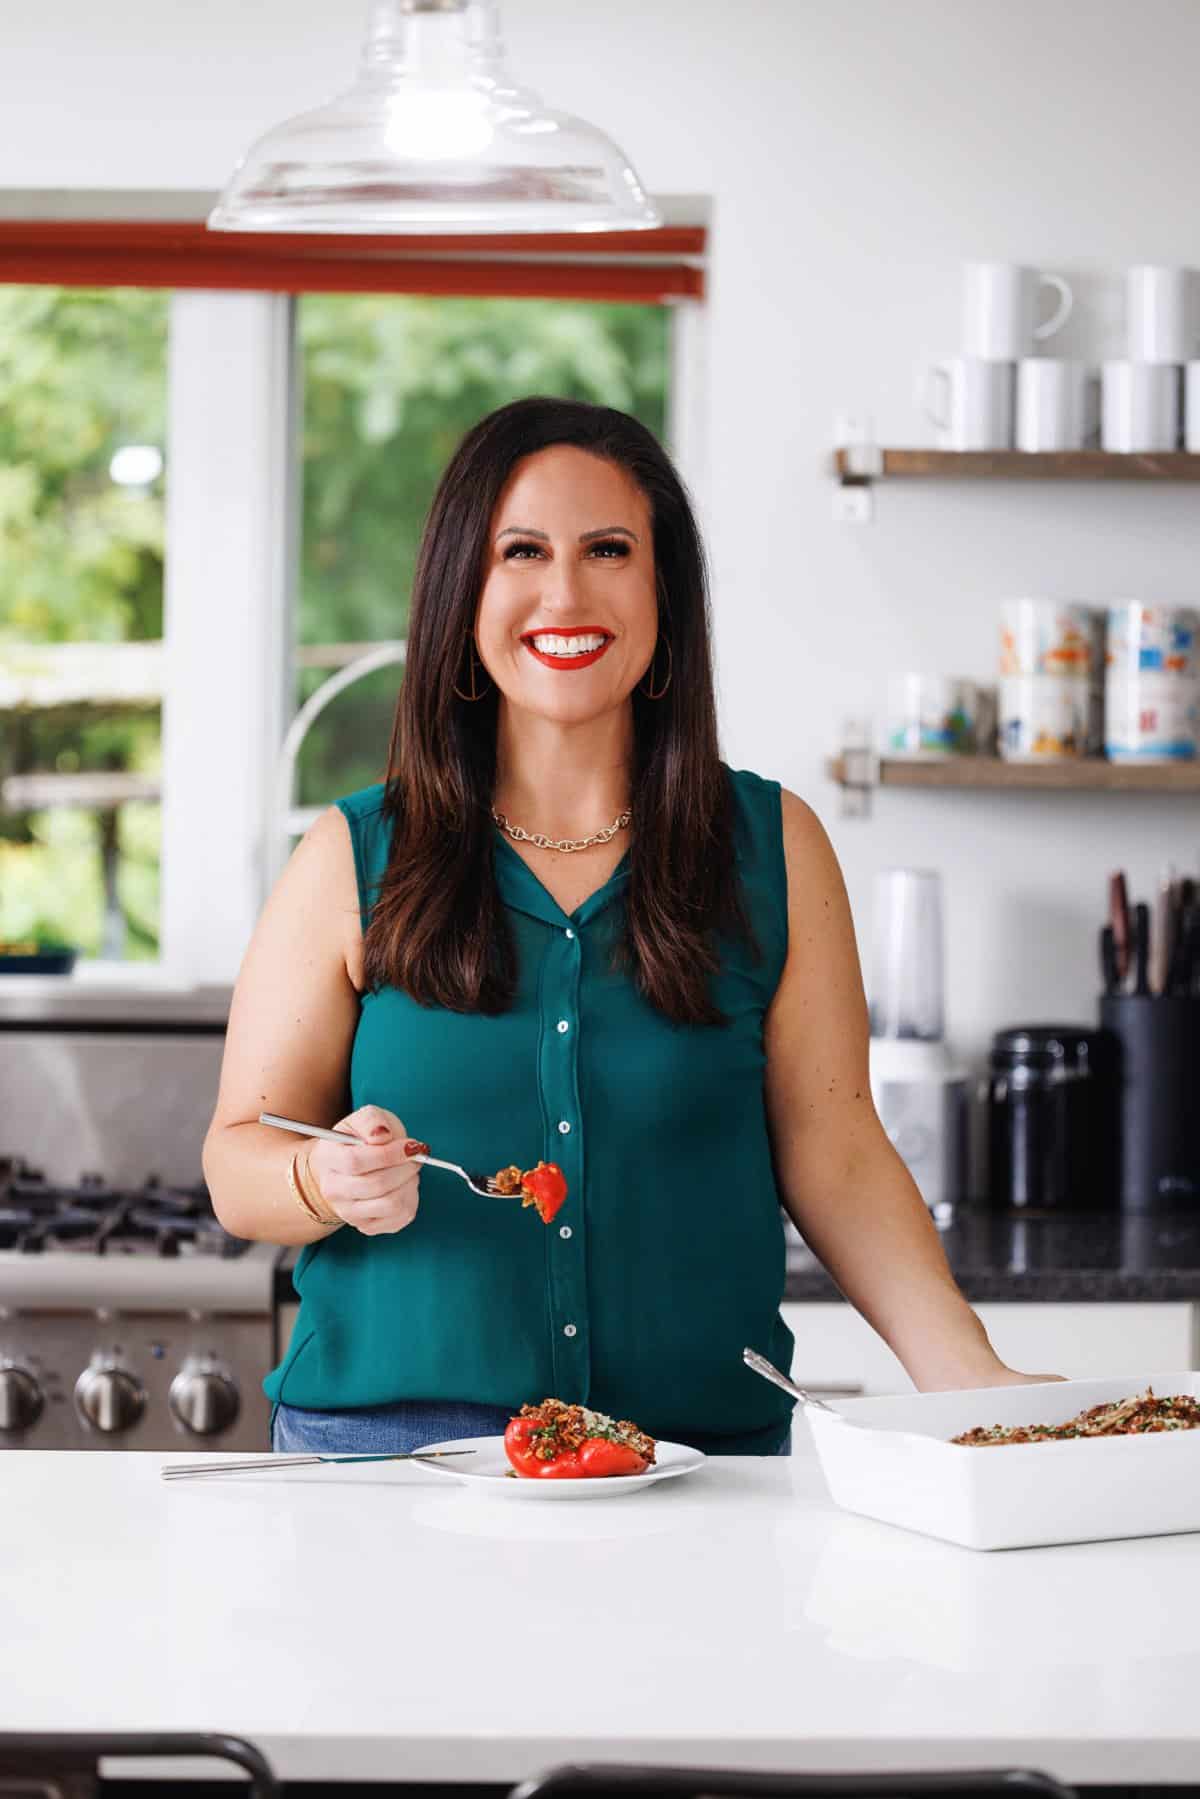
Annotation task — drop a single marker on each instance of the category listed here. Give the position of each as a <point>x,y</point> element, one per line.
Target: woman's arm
<point>848,1191</point>
<point>287,1047</point>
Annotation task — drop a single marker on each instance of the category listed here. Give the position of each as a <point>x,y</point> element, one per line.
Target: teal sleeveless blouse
<point>668,1255</point>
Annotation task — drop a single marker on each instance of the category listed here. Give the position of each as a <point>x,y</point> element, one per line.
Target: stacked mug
<point>1051,657</point>
<point>932,716</point>
<point>1152,683</point>
<point>1143,393</point>
<point>972,398</point>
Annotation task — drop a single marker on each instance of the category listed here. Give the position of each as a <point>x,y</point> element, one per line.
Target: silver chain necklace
<point>566,844</point>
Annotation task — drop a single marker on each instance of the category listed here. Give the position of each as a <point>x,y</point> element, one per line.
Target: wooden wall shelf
<point>860,464</point>
<point>1093,775</point>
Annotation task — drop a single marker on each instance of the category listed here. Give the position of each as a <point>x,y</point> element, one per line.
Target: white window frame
<point>232,523</point>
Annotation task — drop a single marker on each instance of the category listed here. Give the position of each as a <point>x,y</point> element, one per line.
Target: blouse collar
<point>520,888</point>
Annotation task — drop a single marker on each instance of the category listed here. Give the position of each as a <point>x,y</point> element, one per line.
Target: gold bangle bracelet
<point>311,1187</point>
<point>302,1200</point>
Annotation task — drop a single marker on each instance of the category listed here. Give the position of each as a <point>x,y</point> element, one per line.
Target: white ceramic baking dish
<point>892,1459</point>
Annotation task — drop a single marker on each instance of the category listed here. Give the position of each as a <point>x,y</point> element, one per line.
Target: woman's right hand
<point>371,1185</point>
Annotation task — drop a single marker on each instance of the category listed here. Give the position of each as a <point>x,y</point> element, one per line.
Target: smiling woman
<point>555,516</point>
<point>563,924</point>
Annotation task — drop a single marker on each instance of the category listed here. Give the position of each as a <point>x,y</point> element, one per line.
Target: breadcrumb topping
<point>562,1428</point>
<point>1118,1418</point>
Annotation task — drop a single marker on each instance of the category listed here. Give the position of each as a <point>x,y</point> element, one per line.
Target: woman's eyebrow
<point>584,536</point>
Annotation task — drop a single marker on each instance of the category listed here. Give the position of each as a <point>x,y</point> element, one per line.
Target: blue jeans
<point>386,1429</point>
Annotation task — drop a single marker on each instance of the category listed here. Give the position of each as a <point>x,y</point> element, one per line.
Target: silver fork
<point>476,1181</point>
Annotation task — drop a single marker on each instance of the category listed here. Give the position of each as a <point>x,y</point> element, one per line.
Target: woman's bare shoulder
<point>321,881</point>
<point>812,866</point>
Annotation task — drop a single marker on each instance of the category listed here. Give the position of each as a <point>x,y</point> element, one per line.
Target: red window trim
<point>649,266</point>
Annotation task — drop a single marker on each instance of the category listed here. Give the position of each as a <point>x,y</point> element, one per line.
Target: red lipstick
<point>568,662</point>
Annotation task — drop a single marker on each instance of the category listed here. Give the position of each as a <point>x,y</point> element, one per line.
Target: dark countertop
<point>1051,1256</point>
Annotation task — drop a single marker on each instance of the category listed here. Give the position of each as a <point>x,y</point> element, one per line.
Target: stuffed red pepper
<point>553,1441</point>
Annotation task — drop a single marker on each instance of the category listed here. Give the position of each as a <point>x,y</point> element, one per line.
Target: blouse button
<point>563,1026</point>
<point>564,1126</point>
<point>569,934</point>
<point>569,1330</point>
<point>564,1231</point>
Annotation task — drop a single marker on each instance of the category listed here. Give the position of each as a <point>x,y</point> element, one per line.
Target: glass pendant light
<point>434,137</point>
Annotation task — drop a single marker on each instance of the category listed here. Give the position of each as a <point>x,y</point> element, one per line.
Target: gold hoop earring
<point>649,691</point>
<point>473,663</point>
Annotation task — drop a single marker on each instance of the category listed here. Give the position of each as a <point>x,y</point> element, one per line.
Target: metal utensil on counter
<point>190,1470</point>
<point>478,1183</point>
<point>770,1372</point>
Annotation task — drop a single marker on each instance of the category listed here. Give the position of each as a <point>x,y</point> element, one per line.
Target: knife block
<point>1154,1042</point>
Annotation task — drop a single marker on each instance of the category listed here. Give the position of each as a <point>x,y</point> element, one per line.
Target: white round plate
<point>488,1470</point>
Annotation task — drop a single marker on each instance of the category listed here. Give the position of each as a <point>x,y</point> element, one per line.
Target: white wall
<point>855,154</point>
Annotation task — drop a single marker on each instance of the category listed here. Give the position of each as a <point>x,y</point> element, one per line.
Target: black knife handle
<point>1141,949</point>
<point>1108,960</point>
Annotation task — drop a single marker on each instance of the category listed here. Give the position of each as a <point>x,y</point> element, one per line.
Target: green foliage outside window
<point>82,375</point>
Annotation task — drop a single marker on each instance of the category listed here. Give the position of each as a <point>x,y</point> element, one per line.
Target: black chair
<point>65,1764</point>
<point>595,1781</point>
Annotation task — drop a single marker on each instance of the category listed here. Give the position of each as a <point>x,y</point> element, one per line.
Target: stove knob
<point>20,1398</point>
<point>109,1398</point>
<point>203,1399</point>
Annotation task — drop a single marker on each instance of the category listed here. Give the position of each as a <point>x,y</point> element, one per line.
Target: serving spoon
<point>770,1372</point>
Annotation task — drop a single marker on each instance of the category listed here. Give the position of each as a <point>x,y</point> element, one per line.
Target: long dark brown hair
<point>438,930</point>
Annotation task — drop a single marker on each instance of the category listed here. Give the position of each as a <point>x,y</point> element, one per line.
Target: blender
<point>919,1093</point>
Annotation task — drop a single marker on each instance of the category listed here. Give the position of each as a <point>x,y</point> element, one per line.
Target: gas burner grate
<point>91,1217</point>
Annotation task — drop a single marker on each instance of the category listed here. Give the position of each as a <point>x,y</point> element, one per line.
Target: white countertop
<point>383,1622</point>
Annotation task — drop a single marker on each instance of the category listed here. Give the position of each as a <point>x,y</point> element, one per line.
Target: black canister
<point>1155,1043</point>
<point>1050,1145</point>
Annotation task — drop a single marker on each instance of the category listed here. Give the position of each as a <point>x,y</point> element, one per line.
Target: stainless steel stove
<point>129,1319</point>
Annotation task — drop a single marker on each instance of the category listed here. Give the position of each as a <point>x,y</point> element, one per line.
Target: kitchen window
<point>311,390</point>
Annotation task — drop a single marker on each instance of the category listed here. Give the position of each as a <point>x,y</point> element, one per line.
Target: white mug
<point>930,715</point>
<point>1055,404</point>
<point>1161,318</point>
<point>1050,637</point>
<point>1151,717</point>
<point>971,403</point>
<point>1140,406</point>
<point>1153,639</point>
<point>1044,718</point>
<point>1191,407</point>
<point>1000,306</point>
